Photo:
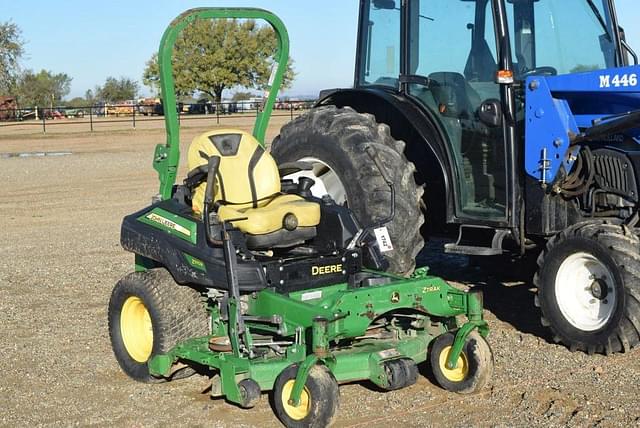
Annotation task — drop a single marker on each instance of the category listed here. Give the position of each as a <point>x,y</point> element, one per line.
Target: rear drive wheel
<point>318,401</point>
<point>589,287</point>
<point>474,366</point>
<point>334,140</point>
<point>148,315</point>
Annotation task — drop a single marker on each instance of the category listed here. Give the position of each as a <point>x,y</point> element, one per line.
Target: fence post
<point>134,114</point>
<point>218,106</point>
<point>44,125</point>
<point>91,117</point>
<point>291,109</point>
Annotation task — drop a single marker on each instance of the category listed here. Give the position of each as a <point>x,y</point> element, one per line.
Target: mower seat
<point>247,191</point>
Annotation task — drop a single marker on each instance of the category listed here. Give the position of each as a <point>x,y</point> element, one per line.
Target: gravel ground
<point>60,257</point>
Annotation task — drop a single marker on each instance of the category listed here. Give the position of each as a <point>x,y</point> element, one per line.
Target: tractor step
<point>467,242</point>
<point>470,250</point>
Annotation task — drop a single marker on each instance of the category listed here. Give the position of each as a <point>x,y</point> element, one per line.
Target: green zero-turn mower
<point>247,277</point>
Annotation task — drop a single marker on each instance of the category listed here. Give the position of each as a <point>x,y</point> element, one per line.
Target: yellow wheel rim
<point>136,329</point>
<point>296,412</point>
<point>462,368</point>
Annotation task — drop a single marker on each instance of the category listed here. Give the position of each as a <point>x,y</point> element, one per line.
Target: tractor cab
<point>457,59</point>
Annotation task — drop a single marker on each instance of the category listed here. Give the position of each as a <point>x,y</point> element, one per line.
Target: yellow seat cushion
<point>247,184</point>
<point>269,218</point>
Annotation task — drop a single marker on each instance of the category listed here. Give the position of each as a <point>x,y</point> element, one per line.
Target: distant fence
<point>92,116</point>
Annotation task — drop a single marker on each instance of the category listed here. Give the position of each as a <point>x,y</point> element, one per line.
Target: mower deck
<point>342,335</point>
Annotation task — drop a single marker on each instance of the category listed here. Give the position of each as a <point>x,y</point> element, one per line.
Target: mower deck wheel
<point>250,392</point>
<point>474,366</point>
<point>401,373</point>
<point>318,401</point>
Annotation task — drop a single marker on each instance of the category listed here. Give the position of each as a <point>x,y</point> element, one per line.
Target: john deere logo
<point>324,270</point>
<point>168,223</point>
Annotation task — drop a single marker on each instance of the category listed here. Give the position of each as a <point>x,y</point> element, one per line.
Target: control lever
<point>236,322</point>
<point>213,166</point>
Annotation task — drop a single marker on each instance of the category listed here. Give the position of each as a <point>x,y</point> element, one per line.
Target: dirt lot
<point>60,257</point>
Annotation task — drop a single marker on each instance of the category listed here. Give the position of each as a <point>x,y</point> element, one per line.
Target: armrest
<point>288,168</point>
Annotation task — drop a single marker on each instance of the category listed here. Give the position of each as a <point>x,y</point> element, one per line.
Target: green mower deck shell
<point>338,313</point>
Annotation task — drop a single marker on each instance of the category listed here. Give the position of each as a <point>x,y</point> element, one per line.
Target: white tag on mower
<point>312,295</point>
<point>383,238</point>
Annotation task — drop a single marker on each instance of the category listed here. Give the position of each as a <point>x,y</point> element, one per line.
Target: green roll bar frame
<point>167,156</point>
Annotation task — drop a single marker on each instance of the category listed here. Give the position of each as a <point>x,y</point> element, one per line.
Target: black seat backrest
<point>454,95</point>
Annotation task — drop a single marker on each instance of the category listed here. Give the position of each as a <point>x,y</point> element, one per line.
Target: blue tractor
<point>515,123</point>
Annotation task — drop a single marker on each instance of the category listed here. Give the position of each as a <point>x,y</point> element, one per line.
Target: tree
<point>581,68</point>
<point>11,50</point>
<point>77,102</point>
<point>89,97</point>
<point>213,55</point>
<point>242,96</point>
<point>115,90</point>
<point>44,89</point>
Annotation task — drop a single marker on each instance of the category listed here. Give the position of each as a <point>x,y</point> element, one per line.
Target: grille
<point>613,173</point>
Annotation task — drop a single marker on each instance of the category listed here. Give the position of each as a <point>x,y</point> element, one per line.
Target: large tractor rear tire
<point>589,287</point>
<point>334,140</point>
<point>148,315</point>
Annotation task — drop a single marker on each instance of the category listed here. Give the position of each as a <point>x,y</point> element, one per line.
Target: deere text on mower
<point>249,277</point>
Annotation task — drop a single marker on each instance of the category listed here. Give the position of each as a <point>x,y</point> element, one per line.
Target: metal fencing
<point>91,117</point>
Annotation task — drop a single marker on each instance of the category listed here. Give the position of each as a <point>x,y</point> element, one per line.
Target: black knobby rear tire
<point>617,249</point>
<point>338,137</point>
<point>174,313</point>
<point>319,402</point>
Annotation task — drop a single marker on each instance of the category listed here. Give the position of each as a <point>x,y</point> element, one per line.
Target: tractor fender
<point>423,135</point>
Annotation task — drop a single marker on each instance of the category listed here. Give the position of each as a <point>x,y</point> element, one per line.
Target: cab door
<point>452,46</point>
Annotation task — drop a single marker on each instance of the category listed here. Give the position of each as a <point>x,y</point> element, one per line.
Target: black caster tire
<point>400,373</point>
<point>474,368</point>
<point>250,392</point>
<point>148,315</point>
<point>318,403</point>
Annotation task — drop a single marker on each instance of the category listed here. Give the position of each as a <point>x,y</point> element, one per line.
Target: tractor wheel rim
<point>327,182</point>
<point>301,411</point>
<point>585,291</point>
<point>136,329</point>
<point>462,366</point>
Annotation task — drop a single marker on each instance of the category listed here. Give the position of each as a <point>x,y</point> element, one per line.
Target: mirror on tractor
<point>384,4</point>
<point>627,48</point>
<point>490,112</point>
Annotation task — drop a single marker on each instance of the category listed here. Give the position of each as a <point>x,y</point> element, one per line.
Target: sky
<point>91,40</point>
